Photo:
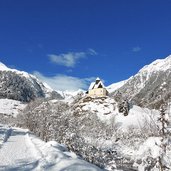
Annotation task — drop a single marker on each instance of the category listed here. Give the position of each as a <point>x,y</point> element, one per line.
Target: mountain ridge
<point>22,86</point>
<point>144,88</point>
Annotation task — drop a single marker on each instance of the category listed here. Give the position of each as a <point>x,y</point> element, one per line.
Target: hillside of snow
<point>111,88</point>
<point>11,107</point>
<point>107,111</point>
<point>133,139</point>
<point>22,86</point>
<point>20,150</point>
<point>150,86</point>
<point>158,65</point>
<point>46,87</point>
<point>69,96</point>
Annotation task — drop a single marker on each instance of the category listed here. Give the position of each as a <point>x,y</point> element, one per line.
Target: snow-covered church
<point>97,89</point>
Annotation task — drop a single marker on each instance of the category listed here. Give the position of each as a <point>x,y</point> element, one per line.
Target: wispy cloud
<point>136,49</point>
<point>71,58</point>
<point>64,82</point>
<point>92,52</point>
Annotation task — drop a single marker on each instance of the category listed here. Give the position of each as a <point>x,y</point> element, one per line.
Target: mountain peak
<point>3,67</point>
<point>144,88</point>
<point>158,65</point>
<point>22,86</point>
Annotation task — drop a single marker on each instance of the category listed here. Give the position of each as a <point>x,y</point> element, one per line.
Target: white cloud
<point>64,82</point>
<point>71,58</point>
<point>136,49</point>
<point>92,52</point>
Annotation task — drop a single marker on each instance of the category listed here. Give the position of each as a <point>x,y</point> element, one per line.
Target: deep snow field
<point>11,107</point>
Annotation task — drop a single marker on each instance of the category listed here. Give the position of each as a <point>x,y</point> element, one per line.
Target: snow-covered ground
<point>137,117</point>
<point>107,111</point>
<point>20,150</point>
<point>11,107</point>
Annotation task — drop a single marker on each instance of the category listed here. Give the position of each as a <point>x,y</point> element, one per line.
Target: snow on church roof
<point>91,85</point>
<point>96,84</point>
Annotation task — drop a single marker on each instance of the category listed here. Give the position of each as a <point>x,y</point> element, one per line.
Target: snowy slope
<point>20,150</point>
<point>107,111</point>
<point>137,117</point>
<point>45,87</point>
<point>69,94</point>
<point>147,87</point>
<point>11,107</point>
<point>19,86</point>
<point>158,65</point>
<point>3,67</point>
<point>111,88</point>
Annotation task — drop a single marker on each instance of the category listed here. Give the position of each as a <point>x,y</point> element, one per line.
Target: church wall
<point>97,92</point>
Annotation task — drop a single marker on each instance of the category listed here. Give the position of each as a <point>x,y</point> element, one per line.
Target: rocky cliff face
<point>151,86</point>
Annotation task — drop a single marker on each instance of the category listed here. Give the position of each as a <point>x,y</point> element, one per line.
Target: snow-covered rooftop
<point>91,86</point>
<point>96,84</point>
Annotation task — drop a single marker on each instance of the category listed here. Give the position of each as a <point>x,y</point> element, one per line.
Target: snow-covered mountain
<point>111,88</point>
<point>21,86</point>
<point>69,96</point>
<point>150,85</point>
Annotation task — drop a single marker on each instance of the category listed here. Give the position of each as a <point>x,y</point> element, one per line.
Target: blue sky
<point>68,43</point>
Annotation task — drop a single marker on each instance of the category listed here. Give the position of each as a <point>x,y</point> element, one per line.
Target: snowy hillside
<point>150,85</point>
<point>107,111</point>
<point>3,67</point>
<point>11,107</point>
<point>69,96</point>
<point>158,65</point>
<point>20,150</point>
<point>111,88</point>
<point>21,86</point>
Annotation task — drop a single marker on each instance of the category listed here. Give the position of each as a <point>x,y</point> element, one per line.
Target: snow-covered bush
<point>151,156</point>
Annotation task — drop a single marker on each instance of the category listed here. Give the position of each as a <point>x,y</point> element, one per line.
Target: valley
<point>44,129</point>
